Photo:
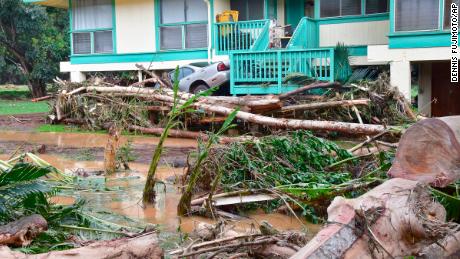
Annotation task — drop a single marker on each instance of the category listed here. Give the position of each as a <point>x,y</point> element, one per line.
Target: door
<point>295,10</point>
<point>445,93</point>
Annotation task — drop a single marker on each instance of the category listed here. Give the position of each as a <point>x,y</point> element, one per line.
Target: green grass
<point>66,128</point>
<point>22,107</point>
<point>15,100</point>
<point>14,92</point>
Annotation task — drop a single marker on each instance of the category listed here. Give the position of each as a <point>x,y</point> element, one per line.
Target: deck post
<point>77,77</point>
<point>279,67</point>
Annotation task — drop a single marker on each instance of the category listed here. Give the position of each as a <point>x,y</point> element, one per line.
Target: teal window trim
<point>158,26</point>
<point>92,31</point>
<point>362,15</point>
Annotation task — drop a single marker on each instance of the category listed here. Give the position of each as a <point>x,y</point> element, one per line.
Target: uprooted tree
<point>33,40</point>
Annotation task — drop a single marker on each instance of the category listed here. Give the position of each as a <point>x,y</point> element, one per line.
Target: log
<point>316,85</point>
<point>291,124</point>
<point>393,220</point>
<point>153,75</point>
<point>325,105</point>
<point>188,134</point>
<point>22,232</point>
<point>44,98</point>
<point>145,246</point>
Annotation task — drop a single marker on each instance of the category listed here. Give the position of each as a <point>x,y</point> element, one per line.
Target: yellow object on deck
<point>228,16</point>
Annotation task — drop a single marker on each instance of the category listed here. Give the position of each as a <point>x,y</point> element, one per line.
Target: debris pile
<point>368,108</point>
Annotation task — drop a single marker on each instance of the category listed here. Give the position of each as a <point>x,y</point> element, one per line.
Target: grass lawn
<point>8,107</point>
<point>15,100</point>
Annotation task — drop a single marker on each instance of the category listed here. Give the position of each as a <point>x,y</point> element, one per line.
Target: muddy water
<point>122,193</point>
<point>85,140</point>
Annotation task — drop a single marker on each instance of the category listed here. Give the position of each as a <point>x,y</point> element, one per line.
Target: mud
<point>122,192</point>
<point>25,122</point>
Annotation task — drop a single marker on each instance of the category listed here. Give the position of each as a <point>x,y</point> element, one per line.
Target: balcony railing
<point>241,36</point>
<point>305,35</point>
<point>266,72</point>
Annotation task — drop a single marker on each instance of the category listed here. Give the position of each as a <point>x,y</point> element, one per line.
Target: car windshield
<point>183,72</point>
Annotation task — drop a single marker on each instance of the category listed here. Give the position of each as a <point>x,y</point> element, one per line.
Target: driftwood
<point>292,124</point>
<point>145,246</point>
<point>187,134</point>
<point>395,219</point>
<point>429,152</point>
<point>324,105</point>
<point>153,75</point>
<point>23,231</point>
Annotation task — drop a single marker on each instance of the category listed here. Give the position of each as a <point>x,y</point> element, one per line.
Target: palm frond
<point>22,172</point>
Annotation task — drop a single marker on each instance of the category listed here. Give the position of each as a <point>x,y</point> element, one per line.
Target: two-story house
<point>114,35</point>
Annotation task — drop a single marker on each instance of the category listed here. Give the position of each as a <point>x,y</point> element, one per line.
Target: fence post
<point>232,74</point>
<point>331,65</point>
<point>279,65</point>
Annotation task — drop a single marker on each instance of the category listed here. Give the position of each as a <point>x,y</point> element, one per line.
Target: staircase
<point>257,69</point>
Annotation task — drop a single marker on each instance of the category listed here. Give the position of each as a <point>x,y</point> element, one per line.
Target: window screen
<point>196,36</point>
<point>350,7</point>
<point>376,6</point>
<point>103,42</point>
<point>248,9</point>
<point>81,43</point>
<point>171,37</point>
<point>91,14</point>
<point>196,10</point>
<point>330,8</point>
<point>447,11</point>
<point>417,15</point>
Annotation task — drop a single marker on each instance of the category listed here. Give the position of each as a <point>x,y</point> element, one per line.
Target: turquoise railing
<point>305,36</point>
<point>241,36</point>
<point>264,72</point>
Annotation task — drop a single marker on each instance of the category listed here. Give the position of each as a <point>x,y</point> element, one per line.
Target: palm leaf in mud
<point>20,187</point>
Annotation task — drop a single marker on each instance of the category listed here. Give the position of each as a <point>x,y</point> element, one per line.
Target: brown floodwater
<point>122,192</point>
<point>86,140</point>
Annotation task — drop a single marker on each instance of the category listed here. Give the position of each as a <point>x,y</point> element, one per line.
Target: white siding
<point>280,12</point>
<point>135,24</point>
<point>220,6</point>
<point>354,34</point>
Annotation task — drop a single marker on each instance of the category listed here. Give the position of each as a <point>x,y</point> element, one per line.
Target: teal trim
<point>420,40</point>
<point>114,27</point>
<point>354,19</point>
<point>139,57</point>
<point>361,15</point>
<point>357,50</point>
<point>270,4</point>
<point>306,35</point>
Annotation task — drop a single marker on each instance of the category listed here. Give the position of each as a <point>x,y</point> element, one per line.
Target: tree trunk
<point>145,246</point>
<point>37,88</point>
<point>22,232</point>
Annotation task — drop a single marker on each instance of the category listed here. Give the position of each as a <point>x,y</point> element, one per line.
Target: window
<point>183,24</point>
<point>249,9</point>
<point>92,26</point>
<point>417,15</point>
<point>334,8</point>
<point>377,6</point>
<point>447,11</point>
<point>183,73</point>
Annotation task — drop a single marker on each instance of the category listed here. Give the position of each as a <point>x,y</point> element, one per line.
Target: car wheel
<point>199,89</point>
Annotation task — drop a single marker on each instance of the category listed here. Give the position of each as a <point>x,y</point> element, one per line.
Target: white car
<point>195,78</point>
